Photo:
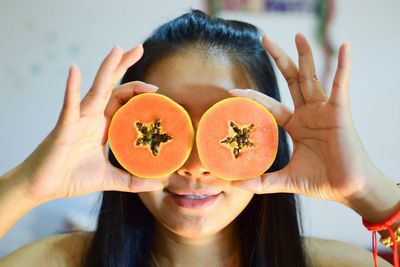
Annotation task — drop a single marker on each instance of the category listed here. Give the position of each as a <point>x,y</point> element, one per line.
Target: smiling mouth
<point>192,193</point>
<point>196,196</point>
<point>195,200</point>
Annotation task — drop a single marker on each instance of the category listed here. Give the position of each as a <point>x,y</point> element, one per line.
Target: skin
<point>320,126</point>
<point>203,236</point>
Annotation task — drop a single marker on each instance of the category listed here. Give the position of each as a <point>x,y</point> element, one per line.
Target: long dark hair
<point>269,226</point>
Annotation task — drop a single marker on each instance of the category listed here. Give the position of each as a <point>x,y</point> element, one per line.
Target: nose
<point>193,168</point>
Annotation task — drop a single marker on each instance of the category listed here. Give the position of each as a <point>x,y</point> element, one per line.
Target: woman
<point>197,61</point>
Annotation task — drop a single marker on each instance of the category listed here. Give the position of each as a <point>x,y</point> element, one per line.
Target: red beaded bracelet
<point>386,225</point>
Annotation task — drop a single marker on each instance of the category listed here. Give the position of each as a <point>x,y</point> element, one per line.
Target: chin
<point>193,227</point>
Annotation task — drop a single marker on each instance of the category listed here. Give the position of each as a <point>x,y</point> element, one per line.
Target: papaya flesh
<point>237,138</point>
<point>151,136</point>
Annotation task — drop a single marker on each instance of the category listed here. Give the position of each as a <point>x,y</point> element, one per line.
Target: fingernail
<point>116,47</point>
<point>237,92</point>
<point>146,86</point>
<point>348,45</point>
<point>158,186</point>
<point>161,186</point>
<point>245,183</point>
<point>152,186</point>
<point>152,87</point>
<point>248,184</point>
<point>251,184</point>
<point>71,66</point>
<point>138,46</point>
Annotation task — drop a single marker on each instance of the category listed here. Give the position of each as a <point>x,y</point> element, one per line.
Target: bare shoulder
<point>64,250</point>
<point>325,252</point>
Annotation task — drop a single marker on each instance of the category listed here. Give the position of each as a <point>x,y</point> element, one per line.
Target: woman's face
<point>196,81</point>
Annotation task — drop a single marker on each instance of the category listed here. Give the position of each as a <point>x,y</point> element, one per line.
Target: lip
<point>194,203</point>
<point>192,192</point>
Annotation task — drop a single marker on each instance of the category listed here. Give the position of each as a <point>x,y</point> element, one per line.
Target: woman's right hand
<point>72,161</point>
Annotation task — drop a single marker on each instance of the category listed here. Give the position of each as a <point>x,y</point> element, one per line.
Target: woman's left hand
<point>328,160</point>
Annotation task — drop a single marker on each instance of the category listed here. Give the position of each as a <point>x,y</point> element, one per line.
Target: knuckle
<point>99,94</point>
<point>303,78</point>
<point>108,67</point>
<point>70,107</point>
<point>292,80</point>
<point>337,84</point>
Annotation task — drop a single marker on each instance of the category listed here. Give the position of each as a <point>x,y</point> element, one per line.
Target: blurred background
<point>40,39</point>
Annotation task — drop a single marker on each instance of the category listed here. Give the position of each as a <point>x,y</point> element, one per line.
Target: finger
<point>340,92</point>
<point>97,97</point>
<point>309,84</point>
<point>274,182</point>
<point>121,94</point>
<point>118,180</point>
<point>128,59</point>
<point>281,113</point>
<point>71,107</point>
<point>287,67</point>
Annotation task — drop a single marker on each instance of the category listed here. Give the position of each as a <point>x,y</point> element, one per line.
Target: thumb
<point>119,180</point>
<point>274,182</point>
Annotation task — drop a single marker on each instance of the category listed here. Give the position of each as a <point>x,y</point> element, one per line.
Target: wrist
<point>16,184</point>
<point>377,201</point>
<point>394,227</point>
<point>14,203</point>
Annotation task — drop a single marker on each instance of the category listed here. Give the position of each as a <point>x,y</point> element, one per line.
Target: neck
<point>220,250</point>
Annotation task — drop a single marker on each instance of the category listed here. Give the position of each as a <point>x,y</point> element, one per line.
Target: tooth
<point>196,196</point>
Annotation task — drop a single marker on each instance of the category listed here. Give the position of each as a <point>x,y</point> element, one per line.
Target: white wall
<point>39,40</point>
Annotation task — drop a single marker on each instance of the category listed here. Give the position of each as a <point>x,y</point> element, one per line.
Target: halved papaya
<point>151,135</point>
<point>237,138</point>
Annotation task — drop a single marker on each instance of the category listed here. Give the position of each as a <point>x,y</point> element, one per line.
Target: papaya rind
<point>221,103</point>
<point>189,149</point>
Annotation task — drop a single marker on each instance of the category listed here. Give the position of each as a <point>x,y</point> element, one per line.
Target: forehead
<point>196,79</point>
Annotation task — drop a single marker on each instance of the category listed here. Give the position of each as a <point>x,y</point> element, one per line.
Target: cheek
<point>196,223</point>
